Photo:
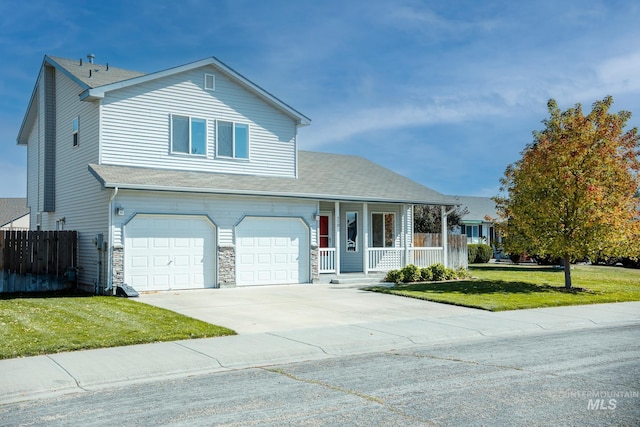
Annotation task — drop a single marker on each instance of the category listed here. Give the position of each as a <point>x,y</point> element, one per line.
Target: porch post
<point>445,255</point>
<point>406,233</point>
<point>337,244</point>
<point>365,238</point>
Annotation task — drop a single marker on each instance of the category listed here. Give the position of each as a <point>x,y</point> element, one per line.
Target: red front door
<point>324,231</point>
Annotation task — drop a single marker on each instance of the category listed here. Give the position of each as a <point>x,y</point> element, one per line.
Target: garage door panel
<point>272,251</point>
<point>170,252</point>
<point>139,262</point>
<point>138,242</point>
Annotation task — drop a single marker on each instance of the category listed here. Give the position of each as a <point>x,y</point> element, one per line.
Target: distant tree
<point>428,218</point>
<point>571,195</point>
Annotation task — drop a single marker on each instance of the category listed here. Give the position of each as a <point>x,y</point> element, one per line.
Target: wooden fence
<point>34,261</point>
<point>456,243</point>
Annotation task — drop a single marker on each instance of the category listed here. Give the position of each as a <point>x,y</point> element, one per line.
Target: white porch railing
<point>327,258</point>
<point>385,259</point>
<point>424,257</point>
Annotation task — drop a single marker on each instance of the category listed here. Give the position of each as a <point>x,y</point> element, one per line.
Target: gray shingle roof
<point>12,209</point>
<point>478,207</point>
<point>321,176</point>
<point>100,75</point>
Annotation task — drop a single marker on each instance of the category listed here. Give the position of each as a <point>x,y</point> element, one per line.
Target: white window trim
<point>213,78</point>
<point>206,131</point>
<point>384,228</point>
<point>233,140</point>
<point>75,131</point>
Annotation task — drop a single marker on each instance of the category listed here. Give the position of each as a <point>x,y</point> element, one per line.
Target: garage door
<point>165,252</point>
<point>272,251</point>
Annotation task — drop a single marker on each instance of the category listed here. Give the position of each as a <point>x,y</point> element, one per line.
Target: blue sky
<point>446,93</point>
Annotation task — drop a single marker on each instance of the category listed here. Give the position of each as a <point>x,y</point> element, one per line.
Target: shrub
<point>438,272</point>
<point>394,276</point>
<point>411,273</point>
<point>472,253</point>
<point>450,274</point>
<point>485,252</point>
<point>462,273</point>
<point>426,275</point>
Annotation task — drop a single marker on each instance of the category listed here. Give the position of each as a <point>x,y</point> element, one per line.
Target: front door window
<point>352,231</point>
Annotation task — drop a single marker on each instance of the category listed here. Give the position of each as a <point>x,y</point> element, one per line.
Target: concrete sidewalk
<point>73,372</point>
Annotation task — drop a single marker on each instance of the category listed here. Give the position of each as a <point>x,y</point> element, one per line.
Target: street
<point>584,377</point>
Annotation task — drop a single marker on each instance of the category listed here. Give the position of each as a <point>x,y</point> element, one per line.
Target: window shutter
<point>480,231</point>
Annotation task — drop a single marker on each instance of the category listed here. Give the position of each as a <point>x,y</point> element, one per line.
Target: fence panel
<point>456,245</point>
<point>32,261</point>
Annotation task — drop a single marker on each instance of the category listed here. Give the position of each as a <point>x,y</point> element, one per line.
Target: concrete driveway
<point>258,309</point>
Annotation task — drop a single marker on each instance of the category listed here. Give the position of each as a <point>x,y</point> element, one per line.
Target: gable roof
<point>12,209</point>
<point>100,75</point>
<point>321,176</point>
<point>105,78</point>
<point>478,208</point>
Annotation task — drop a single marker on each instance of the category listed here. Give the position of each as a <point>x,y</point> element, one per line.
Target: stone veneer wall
<point>117,266</point>
<point>227,266</point>
<point>315,264</point>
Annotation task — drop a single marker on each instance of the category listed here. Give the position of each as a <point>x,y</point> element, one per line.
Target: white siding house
<point>191,178</point>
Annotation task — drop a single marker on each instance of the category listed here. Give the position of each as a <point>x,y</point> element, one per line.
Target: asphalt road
<point>580,378</point>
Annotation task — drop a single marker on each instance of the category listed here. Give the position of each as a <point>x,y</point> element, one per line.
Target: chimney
<point>91,57</point>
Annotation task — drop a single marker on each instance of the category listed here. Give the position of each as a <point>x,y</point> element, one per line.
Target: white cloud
<point>621,73</point>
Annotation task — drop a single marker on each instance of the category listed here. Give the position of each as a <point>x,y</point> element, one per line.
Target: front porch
<point>385,259</point>
<point>372,238</point>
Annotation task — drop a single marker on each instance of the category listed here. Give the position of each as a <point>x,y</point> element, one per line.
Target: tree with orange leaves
<point>572,195</point>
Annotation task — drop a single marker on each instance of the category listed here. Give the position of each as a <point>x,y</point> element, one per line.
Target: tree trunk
<point>567,272</point>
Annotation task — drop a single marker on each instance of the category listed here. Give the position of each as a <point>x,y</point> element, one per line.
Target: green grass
<point>33,326</point>
<point>508,287</point>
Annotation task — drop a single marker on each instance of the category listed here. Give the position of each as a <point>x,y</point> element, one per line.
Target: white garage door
<point>165,252</point>
<point>272,251</point>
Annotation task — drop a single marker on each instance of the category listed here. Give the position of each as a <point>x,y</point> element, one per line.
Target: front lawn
<point>32,326</point>
<point>498,287</point>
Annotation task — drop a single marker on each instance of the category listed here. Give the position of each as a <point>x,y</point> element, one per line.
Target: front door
<point>351,245</point>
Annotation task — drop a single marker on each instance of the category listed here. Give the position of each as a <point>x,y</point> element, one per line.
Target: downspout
<point>109,254</point>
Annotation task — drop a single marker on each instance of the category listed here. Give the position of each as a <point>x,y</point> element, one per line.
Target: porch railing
<point>327,258</point>
<point>424,257</point>
<point>385,259</point>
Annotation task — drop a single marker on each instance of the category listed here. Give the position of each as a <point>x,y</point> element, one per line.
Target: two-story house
<point>191,177</point>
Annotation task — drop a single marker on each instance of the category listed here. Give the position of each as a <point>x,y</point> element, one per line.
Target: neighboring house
<point>475,224</point>
<point>14,214</point>
<point>191,177</point>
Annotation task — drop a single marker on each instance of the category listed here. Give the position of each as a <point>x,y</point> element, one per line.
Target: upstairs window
<point>74,130</point>
<point>209,82</point>
<point>233,140</point>
<point>188,135</point>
